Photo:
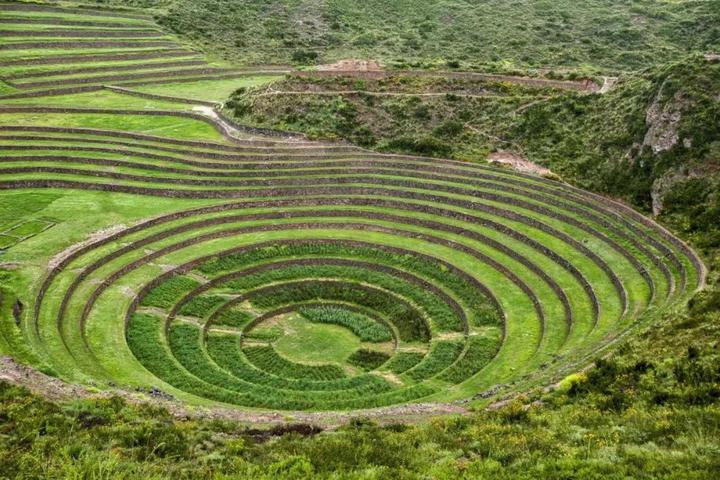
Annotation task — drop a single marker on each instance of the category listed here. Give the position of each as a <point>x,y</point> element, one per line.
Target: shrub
<point>367,329</point>
<point>368,359</point>
<point>305,56</point>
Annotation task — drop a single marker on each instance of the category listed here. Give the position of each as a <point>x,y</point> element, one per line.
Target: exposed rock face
<point>663,118</point>
<point>663,184</point>
<point>659,187</point>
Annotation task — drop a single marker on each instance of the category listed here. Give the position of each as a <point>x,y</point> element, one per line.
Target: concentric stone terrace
<point>435,278</point>
<point>294,275</point>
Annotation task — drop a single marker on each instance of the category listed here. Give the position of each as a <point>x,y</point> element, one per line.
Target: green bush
<point>368,359</point>
<point>169,292</point>
<point>367,329</point>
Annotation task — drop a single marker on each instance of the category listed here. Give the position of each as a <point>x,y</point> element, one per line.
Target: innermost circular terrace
<point>315,343</point>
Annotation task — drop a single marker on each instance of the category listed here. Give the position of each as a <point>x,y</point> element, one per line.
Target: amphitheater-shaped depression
<point>305,275</point>
<point>437,279</point>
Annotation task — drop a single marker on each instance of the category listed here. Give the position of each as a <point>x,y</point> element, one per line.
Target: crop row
<point>365,328</point>
<point>445,311</point>
<point>628,238</point>
<point>148,77</point>
<point>419,370</point>
<point>98,57</point>
<point>199,376</point>
<point>79,33</point>
<point>34,7</point>
<point>224,349</point>
<point>112,68</point>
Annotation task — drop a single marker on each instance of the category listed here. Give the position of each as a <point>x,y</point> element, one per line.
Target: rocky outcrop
<point>663,119</point>
<point>664,184</point>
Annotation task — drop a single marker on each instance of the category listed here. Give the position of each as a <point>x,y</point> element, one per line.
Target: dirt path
<point>608,84</point>
<point>227,128</point>
<point>582,86</point>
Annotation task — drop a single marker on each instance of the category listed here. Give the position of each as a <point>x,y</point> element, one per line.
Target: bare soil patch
<point>518,163</point>
<point>351,65</point>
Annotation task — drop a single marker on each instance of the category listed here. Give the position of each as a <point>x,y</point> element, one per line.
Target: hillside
<point>610,34</point>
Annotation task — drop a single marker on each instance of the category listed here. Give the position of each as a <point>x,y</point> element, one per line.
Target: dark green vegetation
<point>151,249</point>
<point>495,34</point>
<point>361,325</point>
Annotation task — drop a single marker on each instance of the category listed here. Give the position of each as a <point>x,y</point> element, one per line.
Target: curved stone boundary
<point>109,111</point>
<point>581,198</point>
<point>153,96</point>
<point>244,383</point>
<point>220,123</point>
<point>94,44</point>
<point>151,76</point>
<point>76,144</point>
<point>322,261</point>
<point>309,261</point>
<point>613,207</point>
<point>381,181</point>
<point>210,145</point>
<point>313,384</point>
<point>99,57</point>
<point>97,12</point>
<point>292,182</point>
<point>148,225</point>
<point>80,33</point>
<point>497,245</point>
<point>585,86</point>
<point>656,227</point>
<point>323,190</point>
<point>288,309</point>
<point>53,92</point>
<point>188,266</point>
<point>90,88</point>
<point>299,282</point>
<point>294,307</point>
<point>53,388</point>
<point>227,233</point>
<point>471,205</point>
<point>57,21</point>
<point>554,190</point>
<point>331,190</point>
<point>112,278</point>
<point>112,68</point>
<point>269,132</point>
